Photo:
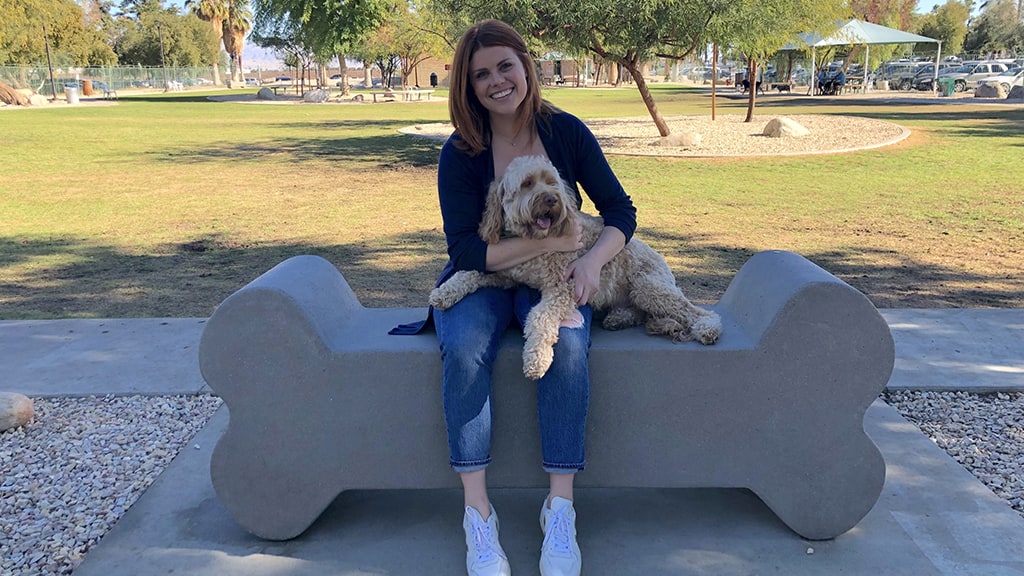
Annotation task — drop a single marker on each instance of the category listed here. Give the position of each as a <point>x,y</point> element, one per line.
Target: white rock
<point>989,91</point>
<point>15,410</point>
<point>38,100</point>
<point>784,127</point>
<point>316,96</point>
<point>681,139</point>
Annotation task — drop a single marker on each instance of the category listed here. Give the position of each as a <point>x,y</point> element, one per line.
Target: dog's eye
<point>528,183</point>
<point>551,181</point>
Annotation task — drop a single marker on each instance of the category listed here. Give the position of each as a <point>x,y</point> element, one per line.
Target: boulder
<point>265,94</point>
<point>783,127</point>
<point>15,410</point>
<point>681,140</point>
<point>9,95</point>
<point>316,96</point>
<point>990,91</point>
<point>38,100</point>
<point>1016,93</point>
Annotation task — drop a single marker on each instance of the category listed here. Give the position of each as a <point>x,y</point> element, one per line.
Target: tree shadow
<point>905,283</point>
<point>386,150</point>
<point>190,278</point>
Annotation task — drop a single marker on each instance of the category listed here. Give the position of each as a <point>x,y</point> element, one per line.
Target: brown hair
<point>469,117</point>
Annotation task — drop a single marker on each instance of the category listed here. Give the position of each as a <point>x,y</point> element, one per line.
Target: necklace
<point>513,141</point>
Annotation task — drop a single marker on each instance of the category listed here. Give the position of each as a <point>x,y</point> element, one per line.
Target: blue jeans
<point>469,333</point>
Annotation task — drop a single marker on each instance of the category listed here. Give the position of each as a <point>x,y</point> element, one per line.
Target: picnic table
<point>407,95</point>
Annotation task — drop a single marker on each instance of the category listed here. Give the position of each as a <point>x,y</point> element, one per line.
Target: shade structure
<point>859,32</point>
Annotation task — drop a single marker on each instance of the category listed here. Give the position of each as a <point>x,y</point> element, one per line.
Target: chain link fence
<point>105,78</point>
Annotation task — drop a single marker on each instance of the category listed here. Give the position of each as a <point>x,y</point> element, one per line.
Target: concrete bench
<point>323,400</point>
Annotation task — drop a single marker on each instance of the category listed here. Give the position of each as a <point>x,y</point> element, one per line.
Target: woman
<point>498,115</point>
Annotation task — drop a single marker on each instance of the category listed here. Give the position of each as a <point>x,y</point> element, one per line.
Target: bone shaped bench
<point>322,400</point>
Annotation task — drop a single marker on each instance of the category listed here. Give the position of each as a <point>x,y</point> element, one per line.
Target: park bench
<point>322,400</point>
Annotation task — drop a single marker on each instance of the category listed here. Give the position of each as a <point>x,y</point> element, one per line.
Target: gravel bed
<point>983,432</point>
<point>727,135</point>
<point>70,474</point>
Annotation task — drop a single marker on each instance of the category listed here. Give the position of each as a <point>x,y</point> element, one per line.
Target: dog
<point>636,286</point>
<point>759,86</point>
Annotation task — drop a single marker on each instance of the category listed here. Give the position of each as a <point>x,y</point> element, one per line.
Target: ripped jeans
<point>469,333</point>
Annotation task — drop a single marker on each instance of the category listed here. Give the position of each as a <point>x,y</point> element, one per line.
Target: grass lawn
<point>163,205</point>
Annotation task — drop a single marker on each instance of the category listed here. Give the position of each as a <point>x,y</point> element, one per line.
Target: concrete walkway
<point>933,516</point>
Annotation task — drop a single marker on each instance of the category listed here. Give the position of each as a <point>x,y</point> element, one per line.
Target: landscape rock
<point>316,96</point>
<point>783,127</point>
<point>681,140</point>
<point>989,91</point>
<point>15,410</point>
<point>1016,93</point>
<point>38,100</point>
<point>265,94</point>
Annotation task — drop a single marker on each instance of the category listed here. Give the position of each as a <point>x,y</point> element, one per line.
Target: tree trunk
<point>752,82</point>
<point>343,68</point>
<point>645,93</point>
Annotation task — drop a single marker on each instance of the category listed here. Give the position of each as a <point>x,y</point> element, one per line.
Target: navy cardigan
<point>463,182</point>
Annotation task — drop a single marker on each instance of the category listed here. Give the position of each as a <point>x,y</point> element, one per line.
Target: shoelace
<point>558,532</point>
<point>485,548</point>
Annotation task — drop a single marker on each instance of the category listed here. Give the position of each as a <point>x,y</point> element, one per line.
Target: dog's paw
<point>440,299</point>
<point>707,328</point>
<point>535,365</point>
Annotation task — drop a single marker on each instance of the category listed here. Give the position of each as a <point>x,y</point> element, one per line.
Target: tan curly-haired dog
<point>637,286</point>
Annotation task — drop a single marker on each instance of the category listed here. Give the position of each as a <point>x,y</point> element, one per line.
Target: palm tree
<point>235,27</point>
<point>215,12</point>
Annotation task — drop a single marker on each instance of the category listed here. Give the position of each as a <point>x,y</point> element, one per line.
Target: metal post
<point>714,73</point>
<point>163,65</point>
<point>49,64</point>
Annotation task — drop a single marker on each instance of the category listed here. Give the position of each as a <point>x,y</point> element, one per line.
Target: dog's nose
<point>550,200</point>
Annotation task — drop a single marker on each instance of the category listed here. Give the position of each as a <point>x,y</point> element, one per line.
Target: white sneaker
<point>559,554</point>
<point>484,556</point>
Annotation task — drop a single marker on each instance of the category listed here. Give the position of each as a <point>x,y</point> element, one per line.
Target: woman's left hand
<point>586,275</point>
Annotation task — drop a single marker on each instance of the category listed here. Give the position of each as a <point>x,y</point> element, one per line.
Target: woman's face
<point>498,79</point>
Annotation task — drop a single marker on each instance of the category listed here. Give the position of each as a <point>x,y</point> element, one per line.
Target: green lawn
<point>164,205</point>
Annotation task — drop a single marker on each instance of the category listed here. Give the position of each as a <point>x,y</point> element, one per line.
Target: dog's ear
<point>492,223</point>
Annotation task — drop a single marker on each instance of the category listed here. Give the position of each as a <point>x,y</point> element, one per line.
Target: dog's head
<point>530,201</point>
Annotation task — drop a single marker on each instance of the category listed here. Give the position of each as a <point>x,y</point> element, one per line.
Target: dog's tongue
<point>543,222</point>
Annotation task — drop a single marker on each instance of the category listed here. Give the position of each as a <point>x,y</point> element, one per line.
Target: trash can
<point>433,79</point>
<point>71,94</point>
<point>946,86</point>
<point>86,87</point>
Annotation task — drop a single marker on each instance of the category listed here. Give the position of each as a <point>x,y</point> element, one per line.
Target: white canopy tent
<point>858,32</point>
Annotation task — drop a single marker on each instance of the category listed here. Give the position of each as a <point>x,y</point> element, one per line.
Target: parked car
<point>925,76</point>
<point>967,76</point>
<point>283,79</point>
<point>902,76</point>
<point>252,82</point>
<point>1009,79</point>
<point>203,82</point>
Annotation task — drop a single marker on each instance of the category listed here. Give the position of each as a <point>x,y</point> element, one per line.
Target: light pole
<point>163,65</point>
<point>49,64</point>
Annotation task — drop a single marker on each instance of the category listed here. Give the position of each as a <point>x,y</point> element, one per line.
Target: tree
<point>214,12</point>
<point>235,26</point>
<point>759,28</point>
<point>948,24</point>
<point>146,25</point>
<point>626,32</point>
<point>72,42</point>
<point>326,27</point>
<point>997,29</point>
